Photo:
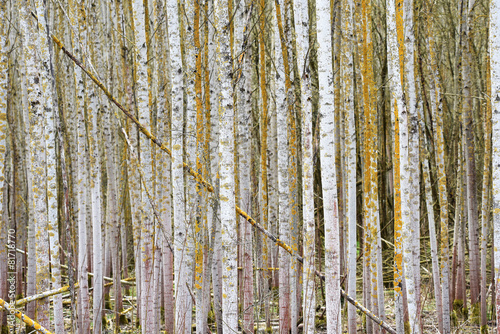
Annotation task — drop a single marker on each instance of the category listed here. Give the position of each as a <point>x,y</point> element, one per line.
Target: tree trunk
<point>494,48</point>
<point>227,182</point>
<point>327,149</point>
<point>308,268</point>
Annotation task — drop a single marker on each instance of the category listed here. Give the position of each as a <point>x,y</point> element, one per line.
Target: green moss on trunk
<point>475,314</point>
<point>460,311</point>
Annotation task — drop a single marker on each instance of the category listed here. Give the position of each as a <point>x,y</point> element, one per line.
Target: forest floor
<point>429,317</point>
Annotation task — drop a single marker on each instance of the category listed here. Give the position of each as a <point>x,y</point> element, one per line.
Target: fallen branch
<point>109,279</point>
<point>24,301</point>
<point>23,317</point>
<point>209,187</point>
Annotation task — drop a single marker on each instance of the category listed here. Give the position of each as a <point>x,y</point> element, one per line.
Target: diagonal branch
<point>27,320</point>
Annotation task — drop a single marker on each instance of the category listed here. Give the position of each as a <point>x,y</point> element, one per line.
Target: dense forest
<point>249,166</point>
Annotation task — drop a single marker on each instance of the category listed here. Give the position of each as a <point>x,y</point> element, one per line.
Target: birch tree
<point>78,35</point>
<point>226,146</point>
<point>283,167</point>
<point>164,165</point>
<point>328,177</point>
<point>350,149</point>
<point>182,317</point>
<point>301,18</point>
<point>494,49</point>
<point>467,105</point>
<point>30,70</point>
<point>148,318</point>
<point>244,108</point>
<point>36,85</point>
<point>93,157</point>
<point>291,73</point>
<point>413,229</point>
<point>396,107</point>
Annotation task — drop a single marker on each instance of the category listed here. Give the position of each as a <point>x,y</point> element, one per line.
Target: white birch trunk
<point>244,156</point>
<point>37,148</point>
<point>214,172</point>
<point>142,87</point>
<point>95,194</point>
<point>494,48</point>
<point>413,159</point>
<point>164,171</point>
<point>292,171</point>
<point>308,268</point>
<point>30,69</point>
<point>406,218</point>
<point>328,175</point>
<point>350,152</point>
<point>407,111</point>
<point>50,142</point>
<point>189,64</point>
<point>433,242</point>
<point>82,184</point>
<point>283,183</point>
<point>396,105</point>
<point>350,155</point>
<point>182,318</point>
<point>227,182</point>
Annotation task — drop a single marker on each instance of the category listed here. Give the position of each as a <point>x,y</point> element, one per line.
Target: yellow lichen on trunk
<point>398,222</point>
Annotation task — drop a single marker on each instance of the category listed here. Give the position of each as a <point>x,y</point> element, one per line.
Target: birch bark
<point>142,86</point>
<point>227,188</point>
<point>36,85</point>
<point>469,152</point>
<point>350,149</point>
<point>50,142</point>
<point>77,18</point>
<point>494,48</point>
<point>412,256</point>
<point>94,156</point>
<point>301,17</point>
<point>396,106</point>
<point>182,318</point>
<point>328,176</point>
<point>283,167</point>
<point>293,197</point>
<point>29,68</point>
<point>164,163</point>
<point>244,156</point>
